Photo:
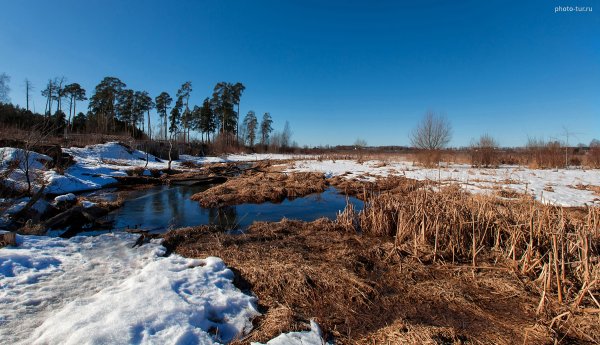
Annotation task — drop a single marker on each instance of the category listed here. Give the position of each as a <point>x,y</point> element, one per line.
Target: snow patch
<point>535,182</point>
<point>312,337</point>
<point>65,198</point>
<point>40,206</point>
<point>98,290</point>
<point>88,204</point>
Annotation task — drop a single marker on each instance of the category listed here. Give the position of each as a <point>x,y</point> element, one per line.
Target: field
<point>448,255</point>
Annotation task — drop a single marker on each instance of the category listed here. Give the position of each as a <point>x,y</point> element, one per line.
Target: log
<point>76,217</point>
<point>66,218</point>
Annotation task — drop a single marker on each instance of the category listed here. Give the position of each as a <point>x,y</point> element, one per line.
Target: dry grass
<point>555,248</point>
<point>360,289</point>
<point>420,264</point>
<point>261,187</point>
<point>428,158</point>
<point>593,157</point>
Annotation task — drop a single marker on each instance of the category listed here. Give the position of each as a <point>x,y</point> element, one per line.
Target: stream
<point>162,208</point>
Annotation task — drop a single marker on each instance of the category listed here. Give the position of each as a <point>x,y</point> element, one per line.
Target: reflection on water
<point>164,207</point>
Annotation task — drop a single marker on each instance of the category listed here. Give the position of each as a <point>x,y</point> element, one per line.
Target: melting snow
<point>100,290</point>
<point>557,187</point>
<point>312,337</point>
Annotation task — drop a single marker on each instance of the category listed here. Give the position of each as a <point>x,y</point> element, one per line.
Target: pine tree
<point>183,94</point>
<point>174,119</point>
<point>250,122</point>
<point>163,102</point>
<point>75,93</point>
<point>145,104</point>
<point>265,128</point>
<point>207,119</point>
<point>103,102</point>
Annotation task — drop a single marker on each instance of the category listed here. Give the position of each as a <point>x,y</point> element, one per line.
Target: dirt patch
<point>362,291</point>
<point>253,187</point>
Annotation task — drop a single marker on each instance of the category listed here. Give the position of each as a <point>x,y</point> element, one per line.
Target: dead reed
<point>360,291</point>
<point>557,248</point>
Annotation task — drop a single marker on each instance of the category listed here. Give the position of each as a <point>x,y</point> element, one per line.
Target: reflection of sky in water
<point>163,207</point>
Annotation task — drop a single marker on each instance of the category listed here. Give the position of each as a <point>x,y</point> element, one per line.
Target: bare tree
<point>434,132</point>
<point>37,135</point>
<point>360,143</point>
<point>4,88</point>
<point>286,135</point>
<point>567,133</point>
<point>28,88</point>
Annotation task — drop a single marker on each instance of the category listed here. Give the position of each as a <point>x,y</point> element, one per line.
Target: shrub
<point>428,158</point>
<point>484,152</point>
<point>542,154</point>
<point>593,156</point>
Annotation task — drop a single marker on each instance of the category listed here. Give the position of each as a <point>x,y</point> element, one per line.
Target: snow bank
<point>556,187</point>
<point>99,290</point>
<point>112,152</point>
<point>312,337</point>
<point>95,166</point>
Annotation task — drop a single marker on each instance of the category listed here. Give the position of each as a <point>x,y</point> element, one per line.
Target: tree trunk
<point>237,122</point>
<point>149,128</point>
<point>74,113</point>
<point>68,119</point>
<point>165,125</point>
<point>170,149</point>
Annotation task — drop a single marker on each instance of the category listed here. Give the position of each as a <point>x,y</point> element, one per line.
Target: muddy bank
<point>259,187</point>
<point>363,291</point>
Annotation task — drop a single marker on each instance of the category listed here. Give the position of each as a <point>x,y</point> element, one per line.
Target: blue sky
<point>336,70</point>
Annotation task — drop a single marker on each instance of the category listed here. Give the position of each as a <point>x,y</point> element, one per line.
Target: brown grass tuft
<point>261,187</point>
<point>364,190</point>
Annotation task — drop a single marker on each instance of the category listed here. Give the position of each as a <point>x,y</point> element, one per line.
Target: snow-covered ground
<point>250,157</point>
<point>96,165</point>
<point>563,187</point>
<point>97,290</point>
<point>100,290</point>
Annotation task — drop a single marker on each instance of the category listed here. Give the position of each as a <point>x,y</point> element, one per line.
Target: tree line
<point>114,108</point>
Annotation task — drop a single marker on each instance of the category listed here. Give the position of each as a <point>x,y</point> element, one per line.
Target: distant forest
<point>115,109</point>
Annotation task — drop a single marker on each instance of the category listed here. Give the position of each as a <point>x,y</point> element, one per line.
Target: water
<point>161,208</point>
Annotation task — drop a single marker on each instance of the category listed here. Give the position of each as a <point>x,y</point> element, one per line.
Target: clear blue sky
<point>336,70</point>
